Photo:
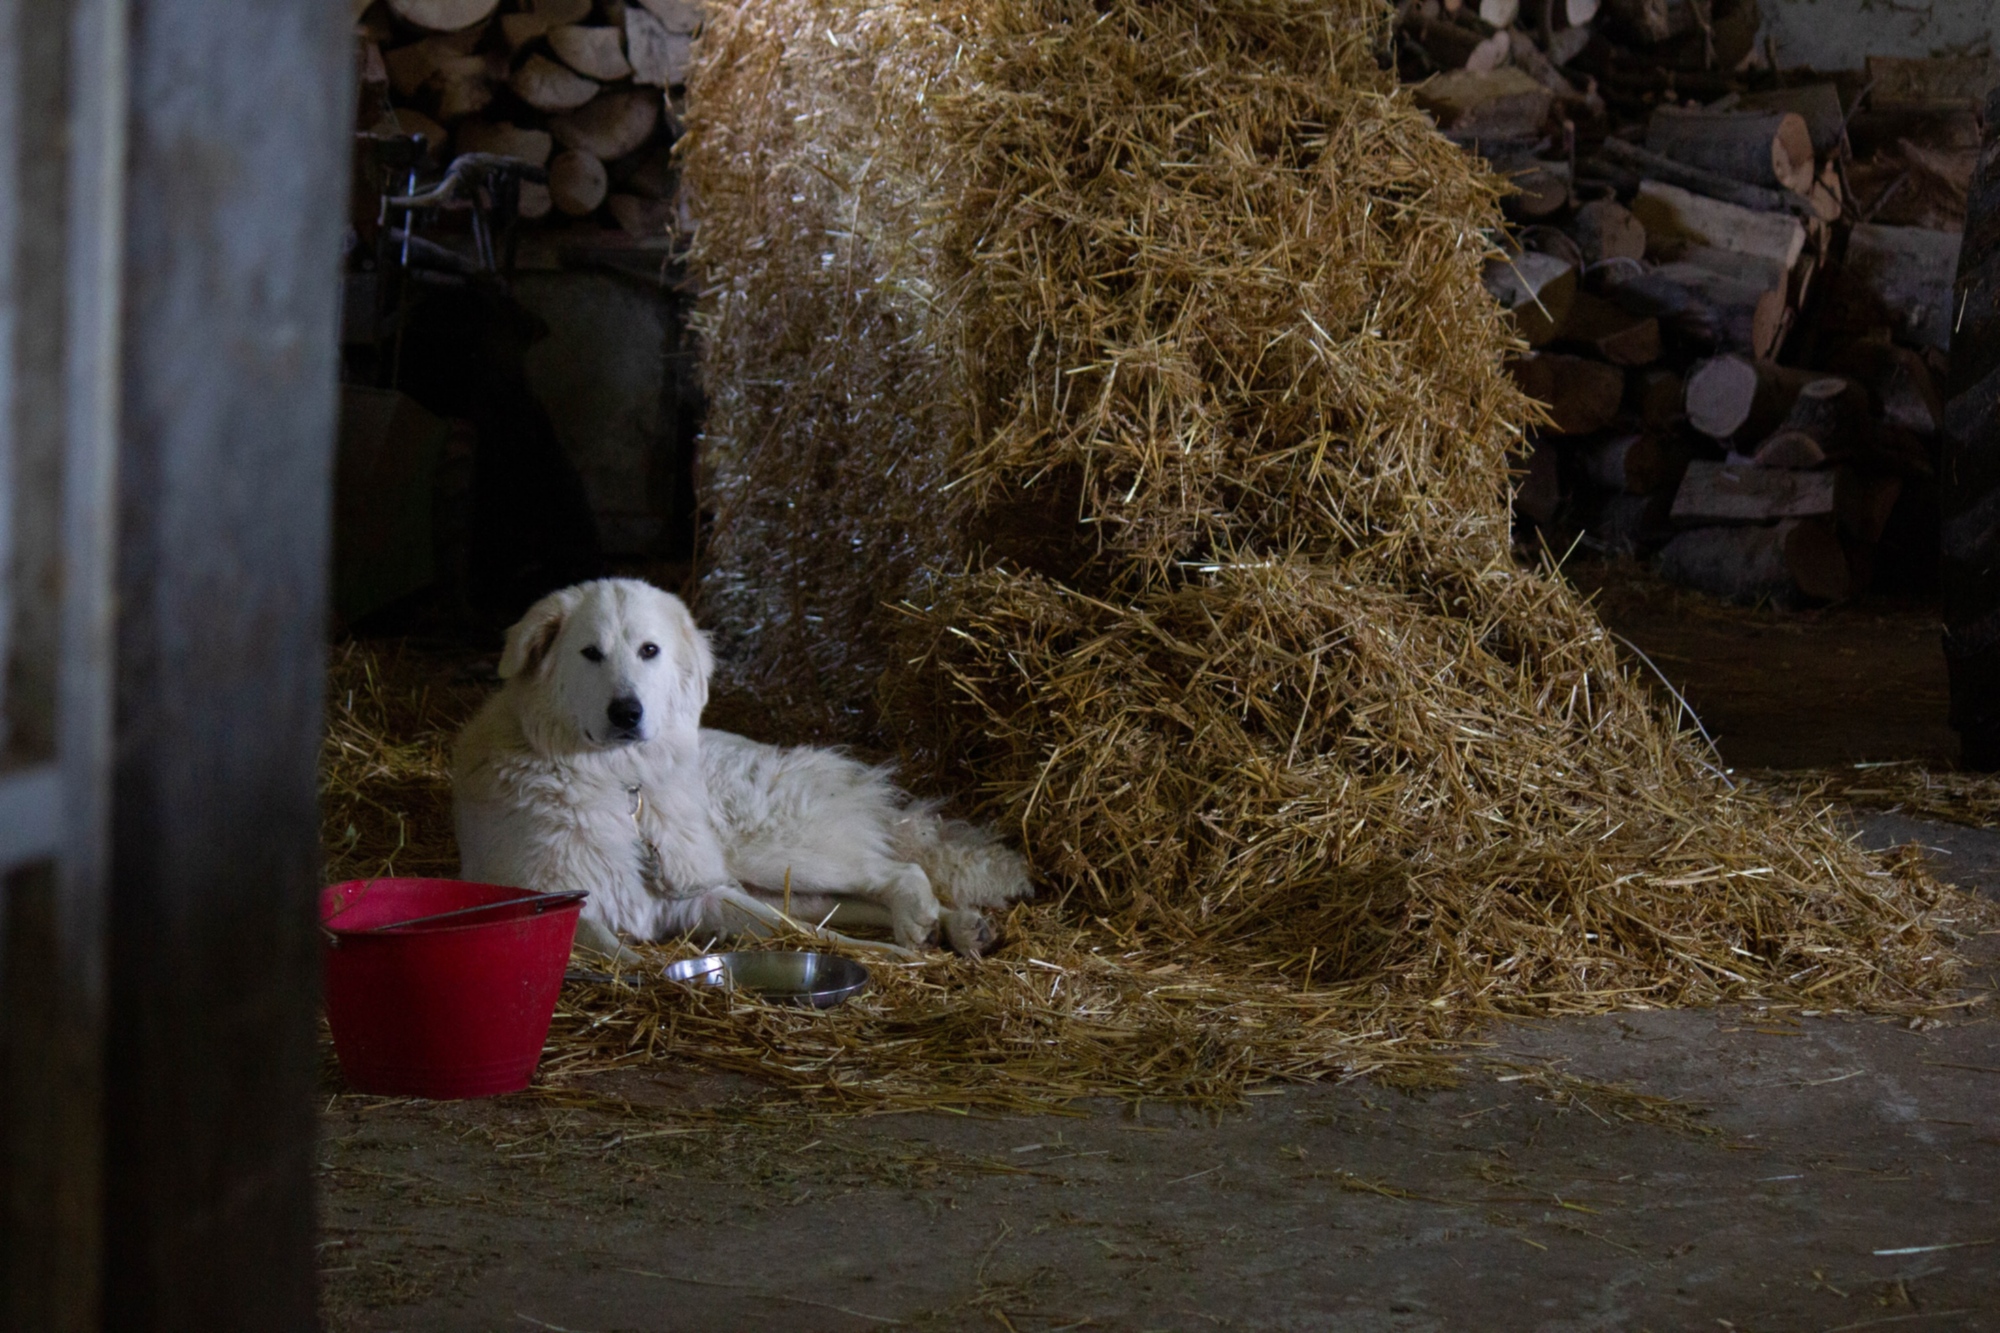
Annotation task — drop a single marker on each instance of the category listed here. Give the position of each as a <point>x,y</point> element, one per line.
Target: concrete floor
<point>1845,1175</point>
<point>1840,1174</point>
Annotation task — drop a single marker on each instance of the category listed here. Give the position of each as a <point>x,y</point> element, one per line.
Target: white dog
<point>589,770</point>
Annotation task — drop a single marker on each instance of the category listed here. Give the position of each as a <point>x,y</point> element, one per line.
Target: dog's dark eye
<point>593,654</point>
<point>649,651</point>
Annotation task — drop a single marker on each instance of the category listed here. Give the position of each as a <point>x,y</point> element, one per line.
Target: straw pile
<point>1107,415</point>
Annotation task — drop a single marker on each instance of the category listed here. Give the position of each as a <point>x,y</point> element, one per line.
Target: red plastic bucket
<point>428,1005</point>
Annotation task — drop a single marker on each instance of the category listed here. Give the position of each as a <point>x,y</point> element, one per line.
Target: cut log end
<point>611,125</point>
<point>1537,289</point>
<point>577,182</point>
<point>1582,396</point>
<point>596,53</point>
<point>443,15</point>
<point>1795,560</point>
<point>548,86</point>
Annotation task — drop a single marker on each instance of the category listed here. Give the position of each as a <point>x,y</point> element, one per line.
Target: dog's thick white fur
<point>589,770</point>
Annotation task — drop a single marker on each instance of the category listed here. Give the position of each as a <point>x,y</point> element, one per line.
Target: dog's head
<point>610,663</point>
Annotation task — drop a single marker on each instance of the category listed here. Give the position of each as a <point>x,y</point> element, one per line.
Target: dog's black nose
<point>625,713</point>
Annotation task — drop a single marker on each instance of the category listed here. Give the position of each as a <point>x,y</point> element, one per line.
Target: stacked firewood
<point>1736,284</point>
<point>587,90</point>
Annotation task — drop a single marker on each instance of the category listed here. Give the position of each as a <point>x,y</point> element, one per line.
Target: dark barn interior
<point>1455,538</point>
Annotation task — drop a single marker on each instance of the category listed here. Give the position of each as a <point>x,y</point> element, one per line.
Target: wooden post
<point>1969,500</point>
<point>61,150</point>
<point>239,127</point>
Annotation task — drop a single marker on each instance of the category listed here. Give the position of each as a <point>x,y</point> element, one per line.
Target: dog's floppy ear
<point>531,637</point>
<point>704,656</point>
<point>697,657</point>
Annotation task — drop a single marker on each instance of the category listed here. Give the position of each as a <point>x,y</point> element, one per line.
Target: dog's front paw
<point>969,933</point>
<point>917,930</point>
<point>913,910</point>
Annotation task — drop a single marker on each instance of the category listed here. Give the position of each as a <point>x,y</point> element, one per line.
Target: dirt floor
<point>1711,1169</point>
<point>1806,689</point>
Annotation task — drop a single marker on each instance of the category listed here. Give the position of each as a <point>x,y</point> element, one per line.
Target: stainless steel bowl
<point>821,980</point>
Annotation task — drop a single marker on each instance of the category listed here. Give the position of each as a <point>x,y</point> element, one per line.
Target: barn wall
<point>1842,34</point>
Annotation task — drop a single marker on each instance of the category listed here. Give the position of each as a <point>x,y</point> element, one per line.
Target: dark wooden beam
<point>235,204</point>
<point>61,152</point>
<point>1970,481</point>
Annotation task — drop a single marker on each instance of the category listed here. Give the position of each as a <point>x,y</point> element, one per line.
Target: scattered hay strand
<point>1910,787</point>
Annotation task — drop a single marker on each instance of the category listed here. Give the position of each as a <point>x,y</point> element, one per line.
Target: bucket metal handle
<point>541,902</point>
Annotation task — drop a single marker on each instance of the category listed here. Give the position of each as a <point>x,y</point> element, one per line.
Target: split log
<point>1755,564</point>
<point>1582,396</point>
<point>505,140</point>
<point>465,86</point>
<point>443,15</point>
<point>1863,502</point>
<point>1537,289</point>
<point>1527,57</point>
<point>648,173</point>
<point>1800,282</point>
<point>1743,493</point>
<point>1711,307</point>
<point>1628,524</point>
<point>1448,45</point>
<point>1505,104</point>
<point>369,67</point>
<point>577,182</point>
<point>1617,159</point>
<point>1541,188</point>
<point>547,86</point>
<point>641,218</point>
<point>1754,270</point>
<point>596,53</point>
<point>410,121</point>
<point>1732,396</point>
<point>1553,242</point>
<point>1606,229</point>
<point>1654,21</point>
<point>659,57</point>
<point>410,67</point>
<point>1611,332</point>
<point>1899,278</point>
<point>1569,43</point>
<point>1906,394</point>
<point>1580,12</point>
<point>1489,55</point>
<point>1538,486</point>
<point>1828,195</point>
<point>1657,398</point>
<point>1674,217</point>
<point>1769,148</point>
<point>535,201</point>
<point>611,125</point>
<point>1500,13</point>
<point>1827,421</point>
<point>683,16</point>
<point>557,13</point>
<point>1818,104</point>
<point>1730,38</point>
<point>1637,464</point>
<point>520,29</point>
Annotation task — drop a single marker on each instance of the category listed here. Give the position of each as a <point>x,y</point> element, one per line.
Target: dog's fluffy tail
<point>968,865</point>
